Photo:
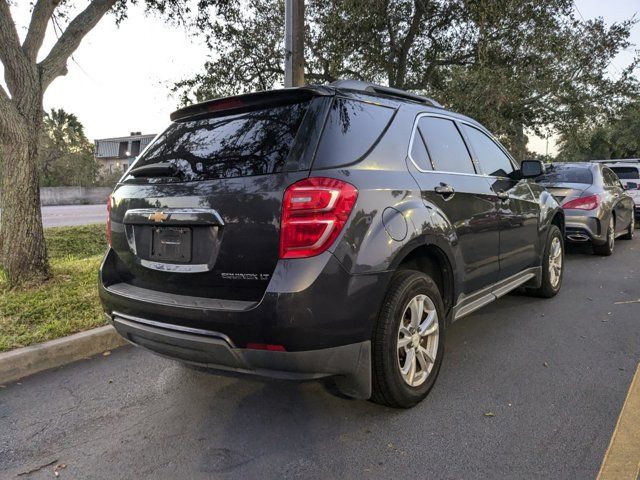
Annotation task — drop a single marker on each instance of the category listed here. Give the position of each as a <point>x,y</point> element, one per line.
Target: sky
<point>120,77</point>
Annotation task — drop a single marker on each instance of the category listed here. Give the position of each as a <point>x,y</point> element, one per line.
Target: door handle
<point>502,195</point>
<point>445,190</point>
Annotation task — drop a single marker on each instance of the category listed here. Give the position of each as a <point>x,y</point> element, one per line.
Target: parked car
<point>628,171</point>
<point>597,208</point>
<point>323,231</point>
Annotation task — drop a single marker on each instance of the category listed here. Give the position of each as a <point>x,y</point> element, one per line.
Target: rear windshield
<point>241,145</point>
<point>626,173</point>
<point>566,174</point>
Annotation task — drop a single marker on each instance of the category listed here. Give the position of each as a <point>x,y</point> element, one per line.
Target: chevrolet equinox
<point>323,231</point>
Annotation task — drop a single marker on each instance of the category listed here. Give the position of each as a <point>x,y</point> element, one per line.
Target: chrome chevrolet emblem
<point>158,216</point>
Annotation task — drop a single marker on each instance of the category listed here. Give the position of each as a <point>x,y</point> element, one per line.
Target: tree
<point>616,137</point>
<point>66,155</point>
<point>24,257</point>
<point>515,65</point>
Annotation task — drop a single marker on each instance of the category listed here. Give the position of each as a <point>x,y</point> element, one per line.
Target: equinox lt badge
<point>245,276</point>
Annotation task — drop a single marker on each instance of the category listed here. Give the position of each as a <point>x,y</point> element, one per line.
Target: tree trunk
<point>23,250</point>
<point>520,140</point>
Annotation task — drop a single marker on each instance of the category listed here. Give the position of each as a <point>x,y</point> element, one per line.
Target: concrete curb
<point>26,361</point>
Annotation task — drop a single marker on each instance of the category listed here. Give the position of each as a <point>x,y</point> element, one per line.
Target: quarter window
<point>445,145</point>
<point>419,153</point>
<point>610,178</point>
<point>490,156</point>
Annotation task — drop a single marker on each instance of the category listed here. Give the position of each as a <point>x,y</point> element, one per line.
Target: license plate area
<point>171,244</point>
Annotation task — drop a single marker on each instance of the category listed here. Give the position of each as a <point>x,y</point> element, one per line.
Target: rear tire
<point>552,265</point>
<point>408,340</point>
<point>606,249</point>
<point>631,228</point>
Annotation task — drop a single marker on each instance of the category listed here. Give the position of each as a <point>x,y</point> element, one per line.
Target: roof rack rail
<point>382,90</point>
<point>618,160</point>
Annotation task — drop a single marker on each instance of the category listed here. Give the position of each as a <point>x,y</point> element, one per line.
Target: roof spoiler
<point>249,101</point>
<point>382,90</point>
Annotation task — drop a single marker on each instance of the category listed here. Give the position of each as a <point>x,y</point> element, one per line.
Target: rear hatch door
<point>198,213</point>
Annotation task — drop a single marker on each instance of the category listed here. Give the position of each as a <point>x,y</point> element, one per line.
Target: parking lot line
<point>622,460</point>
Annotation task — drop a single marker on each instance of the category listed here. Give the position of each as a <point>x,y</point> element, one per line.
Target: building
<point>114,155</point>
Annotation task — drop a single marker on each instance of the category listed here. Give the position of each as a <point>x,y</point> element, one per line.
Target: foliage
<point>616,138</point>
<point>28,73</point>
<point>68,302</point>
<point>66,155</point>
<point>515,65</point>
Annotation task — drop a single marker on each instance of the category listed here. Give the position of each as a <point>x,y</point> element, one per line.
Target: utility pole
<point>293,43</point>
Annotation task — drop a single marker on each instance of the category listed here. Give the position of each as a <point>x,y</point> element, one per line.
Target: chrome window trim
<point>474,162</point>
<point>413,134</point>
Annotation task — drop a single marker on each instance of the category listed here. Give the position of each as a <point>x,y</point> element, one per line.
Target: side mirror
<point>531,168</point>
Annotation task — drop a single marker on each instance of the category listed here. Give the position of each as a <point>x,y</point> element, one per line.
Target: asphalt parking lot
<point>553,373</point>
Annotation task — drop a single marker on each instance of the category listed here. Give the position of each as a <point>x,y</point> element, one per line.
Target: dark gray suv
<point>324,231</point>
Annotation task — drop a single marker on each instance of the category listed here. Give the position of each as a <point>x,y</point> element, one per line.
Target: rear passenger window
<point>419,153</point>
<point>352,128</point>
<point>491,158</point>
<point>626,173</point>
<point>445,145</point>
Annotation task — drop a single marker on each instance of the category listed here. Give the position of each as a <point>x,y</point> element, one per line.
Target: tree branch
<point>38,27</point>
<point>55,64</point>
<point>11,54</point>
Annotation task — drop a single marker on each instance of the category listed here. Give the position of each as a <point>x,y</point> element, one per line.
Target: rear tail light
<point>266,346</point>
<point>109,220</point>
<point>585,203</point>
<point>314,211</point>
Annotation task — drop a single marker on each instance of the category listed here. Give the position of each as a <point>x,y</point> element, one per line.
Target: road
<point>554,373</point>
<point>63,215</point>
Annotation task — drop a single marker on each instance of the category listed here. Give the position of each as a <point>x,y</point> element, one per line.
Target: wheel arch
<point>558,220</point>
<point>435,262</point>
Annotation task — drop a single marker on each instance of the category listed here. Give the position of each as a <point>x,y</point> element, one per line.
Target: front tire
<point>606,249</point>
<point>408,341</point>
<point>552,265</point>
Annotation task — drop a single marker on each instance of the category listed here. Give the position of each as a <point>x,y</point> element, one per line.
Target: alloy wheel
<point>555,262</point>
<point>418,337</point>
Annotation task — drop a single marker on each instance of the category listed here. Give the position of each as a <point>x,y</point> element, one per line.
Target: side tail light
<point>586,203</point>
<point>314,211</point>
<point>109,220</point>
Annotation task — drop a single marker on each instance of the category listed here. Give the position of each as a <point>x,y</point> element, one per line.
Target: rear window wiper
<point>165,169</point>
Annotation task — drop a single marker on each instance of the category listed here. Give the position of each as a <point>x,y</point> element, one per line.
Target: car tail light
<point>314,211</point>
<point>586,203</point>
<point>266,346</point>
<point>109,220</point>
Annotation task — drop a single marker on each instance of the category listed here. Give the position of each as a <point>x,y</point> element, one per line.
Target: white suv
<point>628,170</point>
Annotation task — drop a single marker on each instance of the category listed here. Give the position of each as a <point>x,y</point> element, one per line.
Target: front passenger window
<point>445,145</point>
<point>491,158</point>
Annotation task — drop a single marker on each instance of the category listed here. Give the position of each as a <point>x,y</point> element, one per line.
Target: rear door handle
<point>502,195</point>
<point>445,190</point>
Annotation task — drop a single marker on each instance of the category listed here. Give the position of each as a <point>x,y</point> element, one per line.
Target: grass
<point>68,302</point>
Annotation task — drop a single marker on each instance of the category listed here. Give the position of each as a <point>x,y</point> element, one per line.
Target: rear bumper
<point>309,304</point>
<point>319,313</point>
<point>350,364</point>
<point>580,228</point>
